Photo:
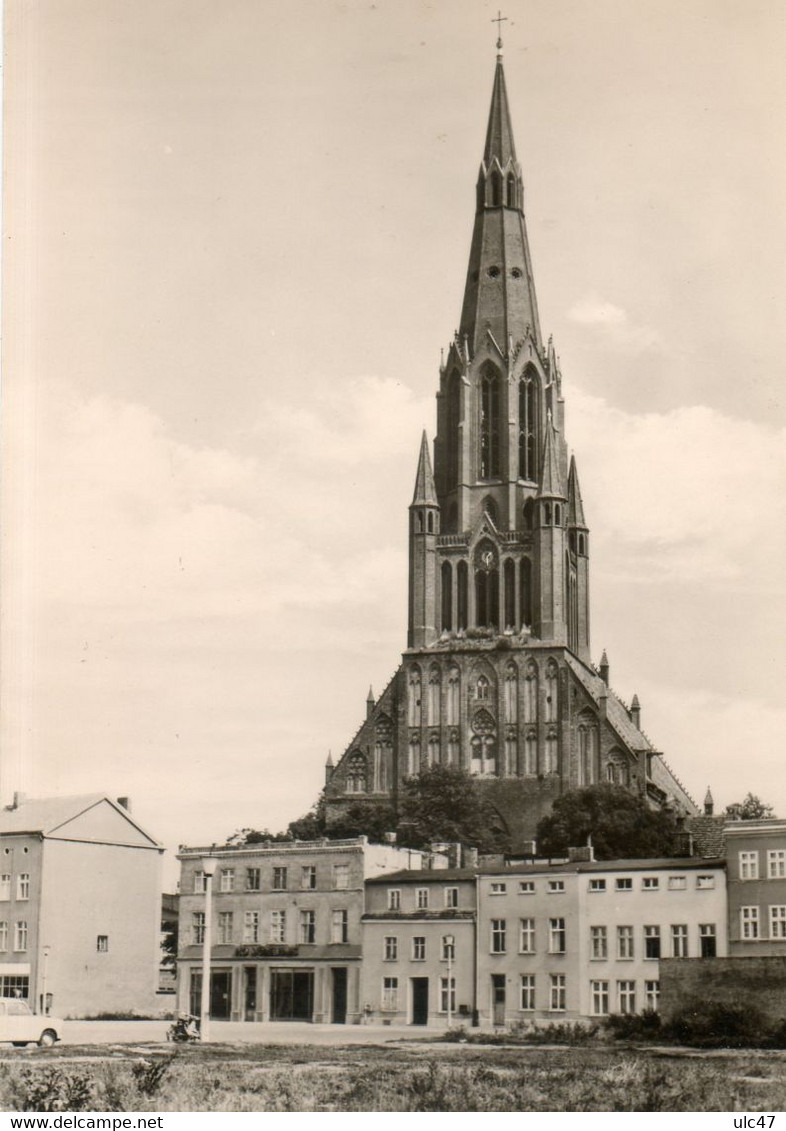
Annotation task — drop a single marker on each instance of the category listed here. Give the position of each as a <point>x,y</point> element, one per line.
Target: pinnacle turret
<point>551,484</point>
<point>425,490</point>
<point>575,505</point>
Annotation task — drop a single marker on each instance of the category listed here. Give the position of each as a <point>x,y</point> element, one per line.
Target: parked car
<point>22,1027</point>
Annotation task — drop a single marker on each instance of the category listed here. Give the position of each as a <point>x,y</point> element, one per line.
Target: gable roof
<point>61,817</point>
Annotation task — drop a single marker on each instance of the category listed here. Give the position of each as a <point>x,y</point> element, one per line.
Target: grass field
<point>408,1077</point>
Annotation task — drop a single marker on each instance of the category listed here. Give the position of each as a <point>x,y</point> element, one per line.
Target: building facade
<point>286,927</point>
<point>419,948</point>
<point>756,860</point>
<point>497,677</point>
<point>80,904</point>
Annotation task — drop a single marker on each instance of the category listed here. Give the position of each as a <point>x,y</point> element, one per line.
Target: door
<point>498,998</point>
<point>291,995</point>
<point>420,1001</point>
<point>250,993</point>
<point>220,993</point>
<point>339,995</point>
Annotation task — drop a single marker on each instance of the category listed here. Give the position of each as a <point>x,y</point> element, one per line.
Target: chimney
<point>470,857</point>
<point>389,838</point>
<point>635,712</point>
<point>583,854</point>
<point>604,668</point>
<point>124,803</point>
<point>709,804</point>
<point>370,703</point>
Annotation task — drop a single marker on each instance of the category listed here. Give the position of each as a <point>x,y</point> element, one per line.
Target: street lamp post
<point>450,942</point>
<point>44,961</point>
<point>209,865</point>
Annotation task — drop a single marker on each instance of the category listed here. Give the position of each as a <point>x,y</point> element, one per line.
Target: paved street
<point>269,1032</point>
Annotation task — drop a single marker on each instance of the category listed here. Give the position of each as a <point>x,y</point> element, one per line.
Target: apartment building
<point>80,905</point>
<point>756,860</point>
<point>582,940</point>
<point>419,948</point>
<point>285,939</point>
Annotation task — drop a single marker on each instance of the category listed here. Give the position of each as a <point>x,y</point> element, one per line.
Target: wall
<point>758,983</point>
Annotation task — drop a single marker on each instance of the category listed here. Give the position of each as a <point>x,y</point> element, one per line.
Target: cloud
<point>611,326</point>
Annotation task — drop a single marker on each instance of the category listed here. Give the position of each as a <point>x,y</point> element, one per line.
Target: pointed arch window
<point>454,420</point>
<point>434,695</point>
<point>510,768</point>
<point>552,677</point>
<point>490,508</point>
<point>356,773</point>
<point>531,753</point>
<point>489,425</point>
<point>430,522</point>
<point>511,191</point>
<point>413,756</point>
<point>484,755</point>
<point>462,598</point>
<point>453,748</point>
<point>487,598</point>
<point>531,693</point>
<point>526,592</point>
<point>413,697</point>
<point>551,762</point>
<point>528,425</point>
<point>454,685</point>
<point>433,750</point>
<point>483,688</point>
<point>509,574</point>
<point>511,693</point>
<point>527,515</point>
<point>496,189</point>
<point>447,596</point>
<point>547,514</point>
<point>588,736</point>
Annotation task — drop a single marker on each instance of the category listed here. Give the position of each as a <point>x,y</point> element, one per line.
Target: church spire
<point>425,491</point>
<point>499,295</point>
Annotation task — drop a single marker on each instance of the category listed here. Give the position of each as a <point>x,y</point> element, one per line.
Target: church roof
<point>616,712</point>
<point>425,491</point>
<point>499,133</point>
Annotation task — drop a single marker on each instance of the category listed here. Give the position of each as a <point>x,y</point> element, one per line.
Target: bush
<point>716,1024</point>
<point>634,1026</point>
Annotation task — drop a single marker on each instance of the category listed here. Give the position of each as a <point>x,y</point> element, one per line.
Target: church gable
<point>367,766</point>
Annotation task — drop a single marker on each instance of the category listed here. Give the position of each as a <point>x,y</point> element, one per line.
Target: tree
<point>363,818</point>
<point>751,809</point>
<point>620,824</point>
<point>443,803</point>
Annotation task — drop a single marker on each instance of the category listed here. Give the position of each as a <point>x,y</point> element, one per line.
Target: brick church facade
<point>497,677</point>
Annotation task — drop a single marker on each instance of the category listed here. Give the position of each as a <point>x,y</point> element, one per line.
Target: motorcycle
<point>184,1029</point>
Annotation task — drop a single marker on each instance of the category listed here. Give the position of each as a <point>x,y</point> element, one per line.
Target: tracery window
<point>483,688</point>
<point>528,425</point>
<point>356,773</point>
<point>489,425</point>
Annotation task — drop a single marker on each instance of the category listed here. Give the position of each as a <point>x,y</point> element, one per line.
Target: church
<point>497,677</point>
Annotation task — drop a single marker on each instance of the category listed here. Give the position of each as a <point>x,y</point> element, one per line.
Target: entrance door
<point>291,995</point>
<point>339,995</point>
<point>498,998</point>
<point>420,1001</point>
<point>250,993</point>
<point>220,991</point>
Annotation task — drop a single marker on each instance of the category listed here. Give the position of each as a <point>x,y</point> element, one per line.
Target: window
<point>3,935</point>
<point>679,941</point>
<point>527,887</point>
<point>23,885</point>
<point>677,883</point>
<point>599,946</point>
<point>447,993</point>
<point>419,948</point>
<point>625,942</point>
<point>253,879</point>
<point>652,995</point>
<point>421,899</point>
<point>624,883</point>
<point>777,922</point>
<point>278,926</point>
<point>556,936</point>
<point>776,863</point>
<point>20,935</point>
<point>279,879</point>
<point>556,886</point>
<point>389,994</point>
<point>600,998</point>
<point>451,897</point>
<point>528,991</point>
<point>340,877</point>
<point>251,927</point>
<point>339,926</point>
<point>597,885</point>
<point>749,865</point>
<point>527,936</point>
<point>749,922</point>
<point>448,948</point>
<point>626,997</point>
<point>308,877</point>
<point>102,944</point>
<point>652,942</point>
<point>308,926</point>
<point>707,941</point>
<point>5,886</point>
<point>197,927</point>
<point>498,930</point>
<point>498,889</point>
<point>226,880</point>
<point>394,899</point>
<point>200,882</point>
<point>489,425</point>
<point>650,883</point>
<point>390,948</point>
<point>705,882</point>
<point>225,926</point>
<point>557,995</point>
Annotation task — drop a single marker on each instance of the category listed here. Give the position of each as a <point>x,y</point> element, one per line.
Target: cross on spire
<point>499,20</point>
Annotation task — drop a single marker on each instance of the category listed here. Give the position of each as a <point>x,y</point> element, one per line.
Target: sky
<point>235,241</point>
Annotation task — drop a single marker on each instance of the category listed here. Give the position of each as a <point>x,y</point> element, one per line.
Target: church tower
<point>497,677</point>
